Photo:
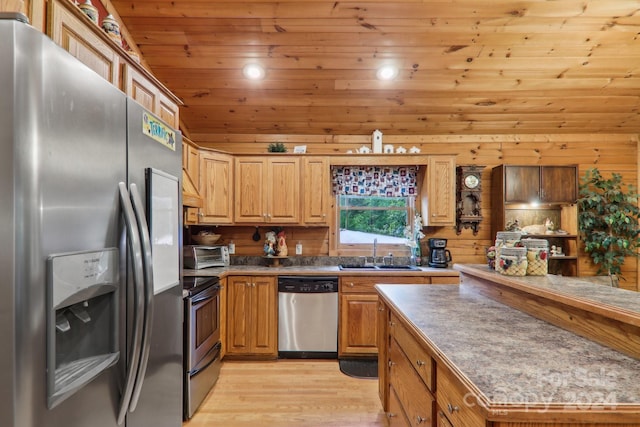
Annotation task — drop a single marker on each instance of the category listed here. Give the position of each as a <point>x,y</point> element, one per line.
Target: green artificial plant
<point>608,216</point>
<point>277,147</point>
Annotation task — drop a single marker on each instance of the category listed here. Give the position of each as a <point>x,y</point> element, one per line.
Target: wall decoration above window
<point>386,181</point>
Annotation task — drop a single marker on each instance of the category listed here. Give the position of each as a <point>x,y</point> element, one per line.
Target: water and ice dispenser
<point>82,328</point>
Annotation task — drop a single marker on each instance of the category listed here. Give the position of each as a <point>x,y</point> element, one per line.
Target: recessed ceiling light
<point>387,72</point>
<point>253,71</point>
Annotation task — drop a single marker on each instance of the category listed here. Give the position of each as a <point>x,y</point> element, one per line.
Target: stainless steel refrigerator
<point>90,297</point>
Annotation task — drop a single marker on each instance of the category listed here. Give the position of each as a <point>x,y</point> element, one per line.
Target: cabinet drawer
<point>455,401</point>
<point>417,356</point>
<point>415,398</point>
<point>445,280</point>
<point>360,284</point>
<point>442,420</point>
<point>396,415</point>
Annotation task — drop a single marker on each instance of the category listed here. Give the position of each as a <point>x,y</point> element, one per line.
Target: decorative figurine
<point>270,243</point>
<point>282,244</point>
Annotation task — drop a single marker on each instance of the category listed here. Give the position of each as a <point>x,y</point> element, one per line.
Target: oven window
<point>206,321</point>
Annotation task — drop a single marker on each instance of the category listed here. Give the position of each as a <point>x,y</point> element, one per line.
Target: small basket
<point>206,239</point>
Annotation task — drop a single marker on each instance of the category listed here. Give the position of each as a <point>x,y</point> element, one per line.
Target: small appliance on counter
<point>198,256</point>
<point>439,255</point>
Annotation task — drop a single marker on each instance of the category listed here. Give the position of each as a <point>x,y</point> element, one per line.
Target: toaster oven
<point>198,256</point>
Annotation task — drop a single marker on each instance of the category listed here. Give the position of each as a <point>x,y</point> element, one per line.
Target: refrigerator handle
<point>133,238</point>
<point>138,208</point>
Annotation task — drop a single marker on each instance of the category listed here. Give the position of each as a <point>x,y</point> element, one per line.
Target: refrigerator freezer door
<point>63,154</point>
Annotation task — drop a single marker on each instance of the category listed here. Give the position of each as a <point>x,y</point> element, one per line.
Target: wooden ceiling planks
<point>466,67</point>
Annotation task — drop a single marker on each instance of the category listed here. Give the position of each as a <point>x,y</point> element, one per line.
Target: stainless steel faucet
<point>375,250</point>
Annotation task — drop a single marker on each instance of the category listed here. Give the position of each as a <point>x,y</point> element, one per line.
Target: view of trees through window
<point>363,218</point>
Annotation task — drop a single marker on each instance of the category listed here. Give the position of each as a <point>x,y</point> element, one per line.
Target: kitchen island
<point>458,355</point>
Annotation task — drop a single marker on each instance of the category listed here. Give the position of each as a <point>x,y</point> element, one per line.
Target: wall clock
<point>468,193</point>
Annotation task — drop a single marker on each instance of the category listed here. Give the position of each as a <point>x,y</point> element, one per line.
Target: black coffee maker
<point>439,255</point>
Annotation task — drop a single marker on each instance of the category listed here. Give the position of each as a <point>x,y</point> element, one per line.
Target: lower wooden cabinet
<point>359,319</point>
<point>415,399</point>
<point>252,316</point>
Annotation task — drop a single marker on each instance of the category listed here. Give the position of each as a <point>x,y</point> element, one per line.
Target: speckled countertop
<point>312,270</point>
<point>512,357</point>
<point>580,288</point>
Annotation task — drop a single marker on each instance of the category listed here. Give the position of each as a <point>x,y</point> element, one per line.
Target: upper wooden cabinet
<point>267,190</point>
<point>439,191</point>
<point>76,35</point>
<point>216,170</point>
<point>139,87</point>
<point>545,184</point>
<point>316,190</point>
<point>71,29</point>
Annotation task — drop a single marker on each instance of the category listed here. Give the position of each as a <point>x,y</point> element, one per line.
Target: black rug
<point>359,368</point>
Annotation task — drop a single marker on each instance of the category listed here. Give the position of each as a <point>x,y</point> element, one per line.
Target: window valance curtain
<point>385,181</point>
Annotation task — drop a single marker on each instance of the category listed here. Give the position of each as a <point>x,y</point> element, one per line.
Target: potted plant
<point>608,216</point>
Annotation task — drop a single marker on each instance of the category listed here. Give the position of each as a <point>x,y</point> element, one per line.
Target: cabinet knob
<point>351,284</point>
<point>390,414</point>
<point>420,419</point>
<point>452,408</point>
<point>391,363</point>
<point>420,362</point>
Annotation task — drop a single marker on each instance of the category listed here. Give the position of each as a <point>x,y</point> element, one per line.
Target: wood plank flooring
<point>289,393</point>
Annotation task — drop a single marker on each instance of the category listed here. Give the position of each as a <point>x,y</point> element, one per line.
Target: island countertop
<point>514,362</point>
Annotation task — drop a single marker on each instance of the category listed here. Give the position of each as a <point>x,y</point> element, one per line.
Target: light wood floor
<point>288,393</point>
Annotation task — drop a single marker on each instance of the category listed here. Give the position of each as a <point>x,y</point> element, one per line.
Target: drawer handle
<point>452,408</point>
<point>420,420</point>
<point>420,362</point>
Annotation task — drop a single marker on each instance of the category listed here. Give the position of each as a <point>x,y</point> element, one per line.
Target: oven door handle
<point>215,349</point>
<point>205,295</point>
<point>133,238</point>
<point>147,261</point>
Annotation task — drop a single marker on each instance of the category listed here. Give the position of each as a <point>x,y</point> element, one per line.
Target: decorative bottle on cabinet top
<point>90,10</point>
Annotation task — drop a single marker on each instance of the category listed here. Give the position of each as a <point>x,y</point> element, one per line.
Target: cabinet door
<point>521,184</point>
<point>264,316</point>
<point>358,325</point>
<point>168,110</point>
<point>283,203</point>
<point>191,162</point>
<point>238,314</point>
<point>383,357</point>
<point>559,184</point>
<point>250,189</point>
<point>215,188</point>
<point>75,35</point>
<point>439,203</point>
<point>316,190</point>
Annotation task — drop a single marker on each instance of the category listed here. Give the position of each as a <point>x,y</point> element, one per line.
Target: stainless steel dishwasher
<point>308,317</point>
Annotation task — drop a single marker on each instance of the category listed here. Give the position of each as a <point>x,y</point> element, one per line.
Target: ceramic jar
<point>90,10</point>
<point>512,261</point>
<point>537,256</point>
<point>112,28</point>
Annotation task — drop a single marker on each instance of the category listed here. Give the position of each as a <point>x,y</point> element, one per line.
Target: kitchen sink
<point>378,267</point>
<point>398,267</point>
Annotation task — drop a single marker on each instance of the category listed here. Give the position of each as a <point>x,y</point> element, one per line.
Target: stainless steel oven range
<point>201,339</point>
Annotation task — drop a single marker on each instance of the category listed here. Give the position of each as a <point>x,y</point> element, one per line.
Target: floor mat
<point>359,368</point>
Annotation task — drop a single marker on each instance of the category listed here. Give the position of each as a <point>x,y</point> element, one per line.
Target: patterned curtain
<point>386,181</point>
